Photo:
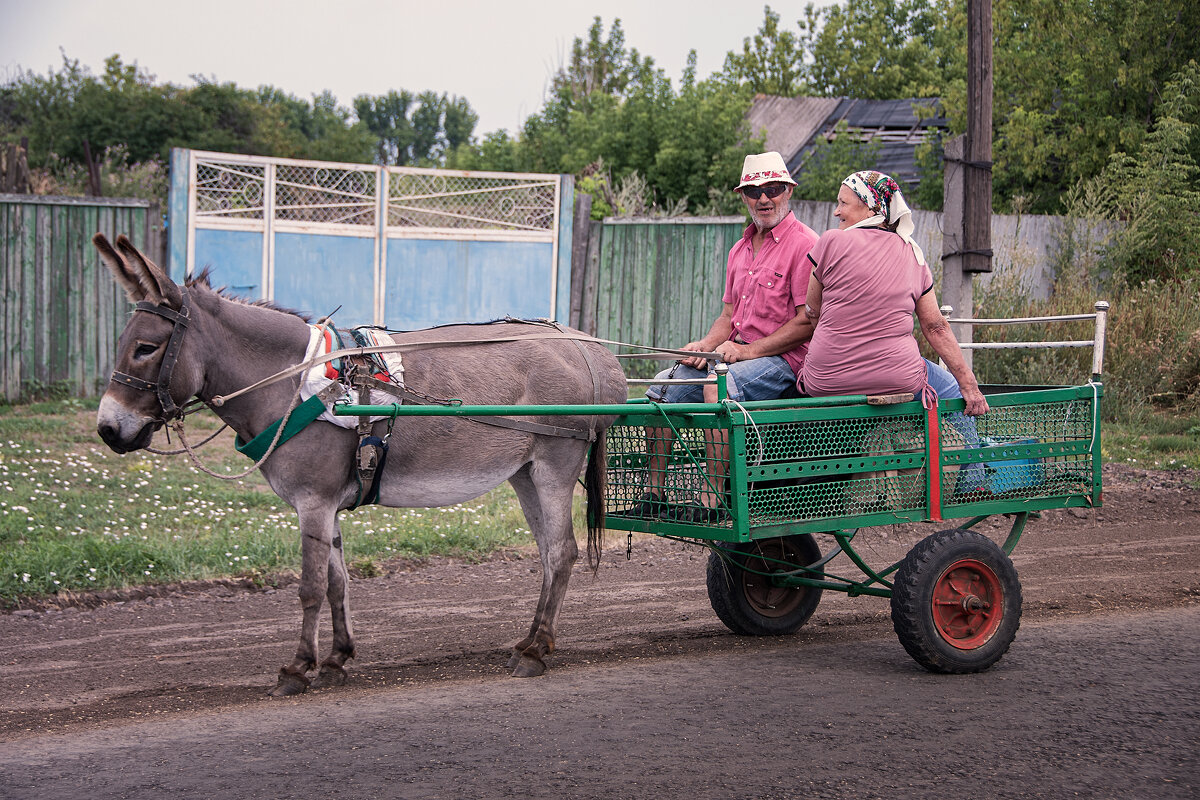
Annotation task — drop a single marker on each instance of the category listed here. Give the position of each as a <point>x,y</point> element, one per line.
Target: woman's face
<point>850,208</point>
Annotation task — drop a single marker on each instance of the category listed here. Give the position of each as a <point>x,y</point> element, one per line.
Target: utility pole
<point>967,215</point>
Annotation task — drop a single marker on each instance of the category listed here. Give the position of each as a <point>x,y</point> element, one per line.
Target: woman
<point>869,277</point>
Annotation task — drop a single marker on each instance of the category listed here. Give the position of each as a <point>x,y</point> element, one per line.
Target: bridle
<point>162,386</point>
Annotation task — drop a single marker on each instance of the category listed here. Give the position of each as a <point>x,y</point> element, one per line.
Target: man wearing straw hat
<point>762,331</point>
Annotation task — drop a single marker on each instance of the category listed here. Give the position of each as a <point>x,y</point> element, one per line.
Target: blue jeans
<point>767,378</point>
<point>942,382</point>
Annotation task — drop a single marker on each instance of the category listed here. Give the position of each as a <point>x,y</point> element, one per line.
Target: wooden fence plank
<point>61,313</point>
<point>10,315</point>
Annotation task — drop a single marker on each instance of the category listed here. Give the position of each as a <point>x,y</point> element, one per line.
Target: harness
<point>359,368</point>
<point>366,373</point>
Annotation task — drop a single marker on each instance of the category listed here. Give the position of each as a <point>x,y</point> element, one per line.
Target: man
<point>762,332</point>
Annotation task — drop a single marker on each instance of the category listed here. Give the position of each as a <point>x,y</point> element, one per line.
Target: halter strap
<point>162,385</point>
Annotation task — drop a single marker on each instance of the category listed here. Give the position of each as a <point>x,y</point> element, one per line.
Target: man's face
<point>765,210</point>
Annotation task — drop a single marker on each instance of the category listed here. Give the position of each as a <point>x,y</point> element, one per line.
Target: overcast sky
<point>498,55</point>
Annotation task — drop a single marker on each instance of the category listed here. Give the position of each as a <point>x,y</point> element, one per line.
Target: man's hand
<point>731,352</point>
<point>695,362</point>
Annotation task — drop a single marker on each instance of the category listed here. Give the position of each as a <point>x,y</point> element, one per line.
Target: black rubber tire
<point>746,602</point>
<point>932,566</point>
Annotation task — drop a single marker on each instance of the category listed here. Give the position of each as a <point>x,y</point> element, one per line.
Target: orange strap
<point>330,370</point>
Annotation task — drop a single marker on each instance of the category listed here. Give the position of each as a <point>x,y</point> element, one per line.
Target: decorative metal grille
<point>230,190</point>
<point>338,195</point>
<point>438,200</point>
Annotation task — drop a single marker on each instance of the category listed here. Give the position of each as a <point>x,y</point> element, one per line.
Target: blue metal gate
<point>401,247</point>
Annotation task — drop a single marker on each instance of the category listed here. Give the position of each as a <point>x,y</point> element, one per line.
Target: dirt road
<point>648,691</point>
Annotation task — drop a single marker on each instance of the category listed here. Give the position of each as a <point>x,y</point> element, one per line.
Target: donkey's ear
<point>119,269</point>
<point>159,287</point>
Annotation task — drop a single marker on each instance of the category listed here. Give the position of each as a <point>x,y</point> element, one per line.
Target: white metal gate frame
<point>268,195</point>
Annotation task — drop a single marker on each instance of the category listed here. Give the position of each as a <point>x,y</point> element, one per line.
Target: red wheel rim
<point>968,604</point>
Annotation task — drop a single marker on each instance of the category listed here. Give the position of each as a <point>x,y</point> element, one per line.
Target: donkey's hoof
<point>331,675</point>
<point>289,684</point>
<point>528,667</point>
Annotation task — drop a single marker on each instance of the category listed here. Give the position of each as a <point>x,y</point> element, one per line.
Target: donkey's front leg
<point>333,668</point>
<point>317,531</point>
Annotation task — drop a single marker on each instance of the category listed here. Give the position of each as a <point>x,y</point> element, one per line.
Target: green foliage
<point>1153,193</point>
<point>130,123</point>
<point>615,120</point>
<point>1076,82</point>
<point>1152,360</point>
<point>771,62</point>
<point>822,173</point>
<point>879,49</point>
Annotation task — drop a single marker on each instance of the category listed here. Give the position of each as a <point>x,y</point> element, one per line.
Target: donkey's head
<point>151,378</point>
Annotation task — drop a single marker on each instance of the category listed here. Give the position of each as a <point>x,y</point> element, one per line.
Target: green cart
<point>758,482</point>
<point>781,472</point>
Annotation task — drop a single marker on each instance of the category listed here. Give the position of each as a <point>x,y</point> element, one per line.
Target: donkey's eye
<point>145,350</point>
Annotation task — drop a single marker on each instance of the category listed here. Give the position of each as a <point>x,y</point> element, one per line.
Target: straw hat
<point>764,168</point>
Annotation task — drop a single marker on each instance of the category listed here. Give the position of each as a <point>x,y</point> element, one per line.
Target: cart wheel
<point>956,603</point>
<point>747,601</point>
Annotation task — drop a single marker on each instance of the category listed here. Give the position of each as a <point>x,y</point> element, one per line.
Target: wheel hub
<point>967,604</point>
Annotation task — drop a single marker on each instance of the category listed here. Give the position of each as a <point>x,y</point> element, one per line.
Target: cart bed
<point>825,464</point>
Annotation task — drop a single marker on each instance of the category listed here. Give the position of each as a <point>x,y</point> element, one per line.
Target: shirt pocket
<point>772,296</point>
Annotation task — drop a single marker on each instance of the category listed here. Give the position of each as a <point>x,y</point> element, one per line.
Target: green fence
<point>62,312</point>
<point>656,282</point>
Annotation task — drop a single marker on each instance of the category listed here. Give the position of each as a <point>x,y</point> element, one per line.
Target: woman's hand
<point>977,404</point>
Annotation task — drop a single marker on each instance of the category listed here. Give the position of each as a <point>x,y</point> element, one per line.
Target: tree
<point>459,122</point>
<point>613,107</point>
<point>771,62</point>
<point>386,117</point>
<point>1152,191</point>
<point>1077,81</point>
<point>880,49</point>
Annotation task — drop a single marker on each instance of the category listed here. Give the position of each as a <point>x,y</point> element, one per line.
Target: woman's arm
<point>937,332</point>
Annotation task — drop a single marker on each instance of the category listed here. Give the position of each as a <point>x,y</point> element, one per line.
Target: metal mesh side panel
<point>685,471</point>
<point>868,464</point>
<point>1017,471</point>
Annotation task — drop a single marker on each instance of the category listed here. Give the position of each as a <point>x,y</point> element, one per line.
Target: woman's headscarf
<point>882,196</point>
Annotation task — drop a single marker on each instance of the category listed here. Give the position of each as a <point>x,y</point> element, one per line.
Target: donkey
<point>194,341</point>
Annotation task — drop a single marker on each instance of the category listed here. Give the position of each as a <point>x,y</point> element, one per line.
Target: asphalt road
<point>1100,706</point>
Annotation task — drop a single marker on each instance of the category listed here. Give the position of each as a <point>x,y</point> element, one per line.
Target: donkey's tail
<point>594,479</point>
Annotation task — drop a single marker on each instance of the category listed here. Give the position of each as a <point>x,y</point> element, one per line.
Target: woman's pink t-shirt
<point>863,344</point>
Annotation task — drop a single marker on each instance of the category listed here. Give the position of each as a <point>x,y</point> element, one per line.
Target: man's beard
<point>776,218</point>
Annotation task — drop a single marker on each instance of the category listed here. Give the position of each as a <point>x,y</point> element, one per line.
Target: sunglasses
<point>771,190</point>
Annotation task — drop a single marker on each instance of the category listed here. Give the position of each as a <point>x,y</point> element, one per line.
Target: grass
<point>75,517</point>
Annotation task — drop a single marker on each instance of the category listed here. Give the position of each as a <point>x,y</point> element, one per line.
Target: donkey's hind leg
<point>333,668</point>
<point>545,495</point>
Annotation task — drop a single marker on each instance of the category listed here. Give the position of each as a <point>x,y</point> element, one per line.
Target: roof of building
<point>792,125</point>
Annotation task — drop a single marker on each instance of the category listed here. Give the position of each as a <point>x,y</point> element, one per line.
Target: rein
<point>655,352</point>
<point>175,414</point>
